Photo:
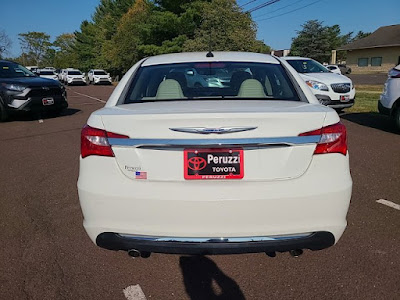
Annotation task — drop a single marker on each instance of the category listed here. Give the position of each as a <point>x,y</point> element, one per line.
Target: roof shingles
<point>386,36</point>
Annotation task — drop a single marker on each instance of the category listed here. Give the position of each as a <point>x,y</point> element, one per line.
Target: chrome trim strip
<point>214,240</point>
<point>209,130</point>
<point>244,142</point>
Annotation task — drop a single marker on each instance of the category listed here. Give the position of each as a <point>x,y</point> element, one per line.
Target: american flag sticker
<point>141,175</point>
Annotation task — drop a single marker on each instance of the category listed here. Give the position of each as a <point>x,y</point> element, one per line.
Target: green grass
<point>366,101</point>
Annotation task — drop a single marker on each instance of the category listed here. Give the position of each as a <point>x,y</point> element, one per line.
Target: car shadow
<point>204,280</point>
<point>372,120</point>
<point>43,116</point>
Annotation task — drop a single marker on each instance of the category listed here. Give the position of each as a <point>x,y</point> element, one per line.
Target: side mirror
<point>190,72</point>
<point>83,74</point>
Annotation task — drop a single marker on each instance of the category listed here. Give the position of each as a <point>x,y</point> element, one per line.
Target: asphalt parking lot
<point>46,254</point>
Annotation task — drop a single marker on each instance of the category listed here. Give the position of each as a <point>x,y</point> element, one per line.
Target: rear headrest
<point>169,89</point>
<point>251,88</point>
<point>237,79</point>
<point>178,76</point>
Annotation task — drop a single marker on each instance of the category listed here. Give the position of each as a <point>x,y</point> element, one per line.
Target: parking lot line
<point>94,98</point>
<point>134,292</point>
<point>389,203</point>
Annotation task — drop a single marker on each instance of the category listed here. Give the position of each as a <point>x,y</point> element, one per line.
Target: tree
<point>315,41</point>
<point>65,55</point>
<point>5,43</point>
<point>224,27</point>
<point>35,44</point>
<point>360,35</point>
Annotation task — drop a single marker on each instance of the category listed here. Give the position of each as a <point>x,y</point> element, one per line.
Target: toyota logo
<point>197,163</point>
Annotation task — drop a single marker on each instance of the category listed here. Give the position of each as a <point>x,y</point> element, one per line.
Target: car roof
<point>98,70</point>
<point>201,57</point>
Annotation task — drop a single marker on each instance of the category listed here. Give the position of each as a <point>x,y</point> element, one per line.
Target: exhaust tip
<point>134,253</point>
<point>296,253</point>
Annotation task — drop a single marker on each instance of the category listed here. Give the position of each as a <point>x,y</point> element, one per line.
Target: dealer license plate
<point>48,101</point>
<point>213,163</point>
<point>344,98</point>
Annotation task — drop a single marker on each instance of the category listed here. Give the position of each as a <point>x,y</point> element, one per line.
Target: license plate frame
<point>344,98</point>
<point>202,168</point>
<point>48,101</point>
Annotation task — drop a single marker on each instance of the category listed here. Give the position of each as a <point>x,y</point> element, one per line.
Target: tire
<point>3,112</point>
<point>396,116</point>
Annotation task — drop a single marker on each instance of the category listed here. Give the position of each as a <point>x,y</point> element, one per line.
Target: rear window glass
<point>211,81</point>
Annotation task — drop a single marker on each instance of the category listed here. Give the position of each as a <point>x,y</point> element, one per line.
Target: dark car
<point>344,69</point>
<point>23,91</point>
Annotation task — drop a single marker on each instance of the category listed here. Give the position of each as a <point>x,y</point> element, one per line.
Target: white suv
<point>74,76</point>
<point>99,76</point>
<point>389,103</point>
<point>237,168</point>
<point>331,89</point>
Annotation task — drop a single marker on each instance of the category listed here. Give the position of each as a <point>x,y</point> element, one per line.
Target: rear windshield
<point>307,66</point>
<point>12,70</point>
<point>100,73</point>
<point>74,73</point>
<point>211,81</point>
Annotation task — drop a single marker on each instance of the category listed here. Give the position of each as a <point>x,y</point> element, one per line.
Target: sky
<point>277,23</point>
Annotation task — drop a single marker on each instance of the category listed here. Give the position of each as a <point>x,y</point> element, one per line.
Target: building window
<point>363,62</point>
<point>376,61</point>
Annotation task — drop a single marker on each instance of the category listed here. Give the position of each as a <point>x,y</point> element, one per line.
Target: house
<point>378,52</point>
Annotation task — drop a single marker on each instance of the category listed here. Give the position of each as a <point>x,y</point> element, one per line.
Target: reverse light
<point>317,85</point>
<point>94,141</point>
<point>333,139</point>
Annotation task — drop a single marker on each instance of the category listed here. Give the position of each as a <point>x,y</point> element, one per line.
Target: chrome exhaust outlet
<point>134,253</point>
<point>296,253</point>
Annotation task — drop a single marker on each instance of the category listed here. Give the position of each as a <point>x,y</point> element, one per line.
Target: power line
<point>290,11</point>
<point>270,12</point>
<point>270,2</point>
<point>247,3</point>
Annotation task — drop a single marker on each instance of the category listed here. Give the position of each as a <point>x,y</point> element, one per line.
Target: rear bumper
<point>112,203</point>
<point>196,246</point>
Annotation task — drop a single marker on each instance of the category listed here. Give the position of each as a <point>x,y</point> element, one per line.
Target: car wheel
<point>396,116</point>
<point>3,112</point>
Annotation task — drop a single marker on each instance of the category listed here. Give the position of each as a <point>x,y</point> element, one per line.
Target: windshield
<point>211,81</point>
<point>12,70</point>
<point>74,73</point>
<point>46,73</point>
<point>100,73</point>
<point>307,66</point>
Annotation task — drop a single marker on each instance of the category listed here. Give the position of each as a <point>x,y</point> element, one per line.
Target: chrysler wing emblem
<point>207,130</point>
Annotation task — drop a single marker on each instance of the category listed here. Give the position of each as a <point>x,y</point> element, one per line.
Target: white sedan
<point>254,165</point>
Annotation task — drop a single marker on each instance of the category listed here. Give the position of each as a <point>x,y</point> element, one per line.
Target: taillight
<point>333,139</point>
<point>94,141</point>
